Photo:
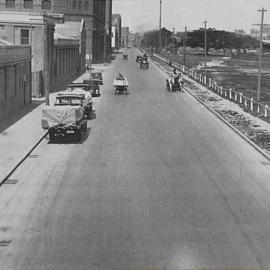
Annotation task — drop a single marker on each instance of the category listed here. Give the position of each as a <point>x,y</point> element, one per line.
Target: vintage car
<point>125,56</point>
<point>120,85</point>
<point>94,87</point>
<point>66,117</point>
<point>175,83</point>
<point>84,91</point>
<point>97,76</point>
<point>138,58</point>
<point>144,63</point>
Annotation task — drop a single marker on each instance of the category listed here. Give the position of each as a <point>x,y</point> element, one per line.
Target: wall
<point>15,78</point>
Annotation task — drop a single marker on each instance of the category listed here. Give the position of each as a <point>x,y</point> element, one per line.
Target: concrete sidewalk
<point>20,137</point>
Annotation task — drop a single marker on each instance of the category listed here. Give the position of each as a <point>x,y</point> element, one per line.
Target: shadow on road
<point>71,139</point>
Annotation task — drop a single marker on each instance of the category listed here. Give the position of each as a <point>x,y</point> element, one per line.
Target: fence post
<point>221,90</point>
<point>245,102</point>
<point>265,111</point>
<point>258,109</point>
<point>251,104</point>
<point>241,98</point>
<point>225,93</point>
<point>230,93</point>
<point>235,96</point>
<point>216,86</point>
<point>205,80</point>
<point>209,82</point>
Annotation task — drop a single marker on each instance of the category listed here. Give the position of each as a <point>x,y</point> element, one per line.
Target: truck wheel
<point>79,135</point>
<point>51,137</point>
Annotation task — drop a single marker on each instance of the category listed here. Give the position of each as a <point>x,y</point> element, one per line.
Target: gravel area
<point>256,129</point>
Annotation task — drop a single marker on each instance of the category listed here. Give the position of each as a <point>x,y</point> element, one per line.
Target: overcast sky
<point>141,15</point>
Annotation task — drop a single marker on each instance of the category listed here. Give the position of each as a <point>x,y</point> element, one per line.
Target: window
<point>80,5</point>
<point>28,4</point>
<point>46,4</point>
<point>10,3</point>
<point>74,4</point>
<point>86,5</point>
<point>24,37</point>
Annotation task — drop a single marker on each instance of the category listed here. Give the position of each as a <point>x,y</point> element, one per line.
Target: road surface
<point>158,182</point>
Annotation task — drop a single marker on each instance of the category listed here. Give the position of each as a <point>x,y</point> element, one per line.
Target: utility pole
<point>46,62</point>
<point>259,86</point>
<point>173,35</point>
<point>105,44</point>
<point>205,46</point>
<point>185,46</point>
<point>160,13</point>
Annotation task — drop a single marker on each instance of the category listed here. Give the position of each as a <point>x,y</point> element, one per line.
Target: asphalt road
<point>157,183</point>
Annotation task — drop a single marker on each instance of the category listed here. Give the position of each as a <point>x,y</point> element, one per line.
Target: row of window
<point>80,5</point>
<point>45,4</point>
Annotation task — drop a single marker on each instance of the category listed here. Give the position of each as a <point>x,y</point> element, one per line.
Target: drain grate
<point>33,156</point>
<point>5,243</point>
<point>11,182</point>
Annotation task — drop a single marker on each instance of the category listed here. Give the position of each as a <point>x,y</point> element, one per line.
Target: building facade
<point>15,78</point>
<point>116,31</point>
<point>124,36</point>
<point>37,31</point>
<point>73,10</point>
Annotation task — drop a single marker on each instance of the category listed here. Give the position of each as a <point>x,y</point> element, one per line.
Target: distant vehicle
<point>144,63</point>
<point>94,87</point>
<point>125,56</point>
<point>66,117</point>
<point>175,83</point>
<point>97,76</point>
<point>120,85</point>
<point>138,58</point>
<point>87,84</point>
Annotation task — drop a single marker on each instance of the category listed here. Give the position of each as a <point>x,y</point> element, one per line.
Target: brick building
<point>15,78</point>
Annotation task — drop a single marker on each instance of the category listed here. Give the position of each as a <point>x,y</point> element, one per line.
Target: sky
<point>143,15</point>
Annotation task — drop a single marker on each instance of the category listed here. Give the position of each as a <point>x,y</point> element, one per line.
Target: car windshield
<point>96,75</point>
<point>68,101</point>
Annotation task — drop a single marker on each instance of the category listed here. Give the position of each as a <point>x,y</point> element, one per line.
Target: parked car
<point>67,117</point>
<point>97,76</point>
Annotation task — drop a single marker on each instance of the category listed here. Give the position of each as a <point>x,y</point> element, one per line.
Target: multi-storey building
<point>65,60</point>
<point>116,31</point>
<point>102,29</point>
<point>124,36</point>
<point>74,10</point>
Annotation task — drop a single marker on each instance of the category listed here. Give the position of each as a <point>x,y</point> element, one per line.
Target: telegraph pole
<point>185,46</point>
<point>260,56</point>
<point>173,40</point>
<point>160,10</point>
<point>46,62</point>
<point>105,44</point>
<point>205,46</point>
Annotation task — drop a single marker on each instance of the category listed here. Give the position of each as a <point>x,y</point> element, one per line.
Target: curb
<point>2,182</point>
<point>255,146</point>
<point>231,126</point>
